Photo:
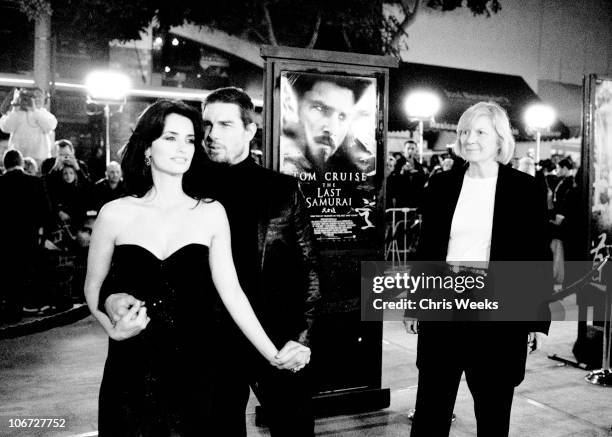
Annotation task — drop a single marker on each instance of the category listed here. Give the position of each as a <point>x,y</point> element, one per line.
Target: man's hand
<point>131,324</point>
<point>71,159</point>
<point>58,165</point>
<point>119,304</point>
<point>411,325</point>
<point>535,341</point>
<point>293,356</point>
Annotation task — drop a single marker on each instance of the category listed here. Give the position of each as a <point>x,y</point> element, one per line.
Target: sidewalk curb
<point>67,317</point>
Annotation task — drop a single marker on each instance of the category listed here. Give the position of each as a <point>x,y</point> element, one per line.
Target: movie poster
<point>328,142</point>
<point>601,171</point>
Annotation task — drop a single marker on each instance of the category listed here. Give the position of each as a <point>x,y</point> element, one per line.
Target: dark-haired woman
<point>167,245</point>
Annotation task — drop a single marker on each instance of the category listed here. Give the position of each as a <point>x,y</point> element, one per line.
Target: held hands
<point>293,356</point>
<point>535,341</point>
<point>131,324</point>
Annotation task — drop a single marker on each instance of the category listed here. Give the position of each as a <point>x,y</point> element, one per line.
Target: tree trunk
<point>42,52</point>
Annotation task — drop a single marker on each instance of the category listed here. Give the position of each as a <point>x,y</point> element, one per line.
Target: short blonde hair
<point>500,121</point>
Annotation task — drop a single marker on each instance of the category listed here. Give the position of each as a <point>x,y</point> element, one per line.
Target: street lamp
<point>107,88</point>
<point>420,106</point>
<point>539,117</point>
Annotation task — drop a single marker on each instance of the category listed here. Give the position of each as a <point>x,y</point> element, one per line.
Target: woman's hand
<point>293,356</point>
<point>131,324</point>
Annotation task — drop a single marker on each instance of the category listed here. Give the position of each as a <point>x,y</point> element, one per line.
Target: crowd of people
<point>49,206</point>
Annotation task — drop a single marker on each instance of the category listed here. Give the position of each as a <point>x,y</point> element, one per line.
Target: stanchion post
<point>603,376</point>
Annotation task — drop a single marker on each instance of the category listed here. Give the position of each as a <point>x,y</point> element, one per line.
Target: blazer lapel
<point>499,213</point>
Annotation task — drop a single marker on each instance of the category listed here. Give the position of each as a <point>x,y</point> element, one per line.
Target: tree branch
<point>402,29</point>
<point>271,35</point>
<point>347,40</point>
<point>315,32</point>
<point>258,35</point>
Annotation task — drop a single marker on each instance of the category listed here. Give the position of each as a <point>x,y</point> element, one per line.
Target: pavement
<point>56,373</point>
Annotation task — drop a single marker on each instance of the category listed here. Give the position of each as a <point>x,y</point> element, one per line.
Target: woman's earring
<point>147,160</point>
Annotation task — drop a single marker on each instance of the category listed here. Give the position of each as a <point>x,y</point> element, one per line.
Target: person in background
<point>29,123</point>
<point>30,166</point>
<point>435,165</point>
<point>70,199</point>
<point>51,168</point>
<point>411,185</point>
<point>109,188</point>
<point>527,165</point>
<point>96,164</point>
<point>411,153</point>
<point>25,210</point>
<point>390,183</point>
<point>563,203</point>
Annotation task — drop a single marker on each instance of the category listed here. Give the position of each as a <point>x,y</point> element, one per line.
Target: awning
<point>458,89</point>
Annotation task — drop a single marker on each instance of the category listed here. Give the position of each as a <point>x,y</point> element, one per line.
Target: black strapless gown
<point>158,383</point>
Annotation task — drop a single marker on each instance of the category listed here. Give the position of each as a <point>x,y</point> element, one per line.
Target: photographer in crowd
<point>28,122</point>
<point>70,191</point>
<point>52,167</point>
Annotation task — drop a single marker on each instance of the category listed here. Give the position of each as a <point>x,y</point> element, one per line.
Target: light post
<point>107,88</point>
<point>539,117</point>
<point>421,105</point>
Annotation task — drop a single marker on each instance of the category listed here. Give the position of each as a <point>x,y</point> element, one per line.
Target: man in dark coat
<point>24,211</point>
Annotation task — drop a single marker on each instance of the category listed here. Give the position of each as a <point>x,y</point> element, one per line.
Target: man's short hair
<point>12,158</point>
<point>566,163</point>
<point>304,82</point>
<point>236,96</point>
<point>547,165</point>
<point>64,143</point>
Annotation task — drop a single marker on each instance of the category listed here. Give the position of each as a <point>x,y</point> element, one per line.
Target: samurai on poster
<point>328,141</point>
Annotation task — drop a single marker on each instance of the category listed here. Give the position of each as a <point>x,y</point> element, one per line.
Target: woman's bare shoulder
<point>118,209</point>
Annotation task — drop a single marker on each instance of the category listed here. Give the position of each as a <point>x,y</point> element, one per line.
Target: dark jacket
<point>273,247</point>
<point>103,193</point>
<point>287,258</point>
<point>25,209</point>
<point>518,234</point>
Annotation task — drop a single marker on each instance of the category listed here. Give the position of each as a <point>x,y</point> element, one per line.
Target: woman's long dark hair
<point>150,126</point>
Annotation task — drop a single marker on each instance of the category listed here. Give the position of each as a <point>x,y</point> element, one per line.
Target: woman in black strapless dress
<point>168,246</point>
